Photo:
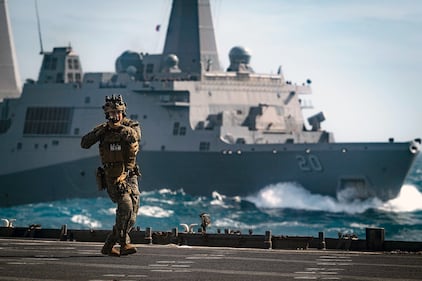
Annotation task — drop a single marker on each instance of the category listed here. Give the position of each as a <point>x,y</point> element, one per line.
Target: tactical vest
<point>118,149</point>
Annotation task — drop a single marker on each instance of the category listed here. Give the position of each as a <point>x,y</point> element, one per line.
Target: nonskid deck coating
<point>40,259</point>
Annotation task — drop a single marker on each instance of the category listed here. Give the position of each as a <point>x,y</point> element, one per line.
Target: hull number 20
<point>309,163</point>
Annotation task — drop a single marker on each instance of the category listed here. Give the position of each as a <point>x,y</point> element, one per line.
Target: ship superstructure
<point>204,129</point>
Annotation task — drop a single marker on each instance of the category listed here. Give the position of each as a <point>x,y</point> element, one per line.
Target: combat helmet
<point>115,102</point>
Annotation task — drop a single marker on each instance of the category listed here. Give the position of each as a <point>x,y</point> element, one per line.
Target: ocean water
<point>285,209</point>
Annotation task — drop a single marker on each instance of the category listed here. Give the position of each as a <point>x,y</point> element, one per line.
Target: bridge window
<point>70,63</point>
<point>76,64</point>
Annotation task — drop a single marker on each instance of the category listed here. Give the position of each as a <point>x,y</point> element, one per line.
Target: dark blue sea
<point>285,209</point>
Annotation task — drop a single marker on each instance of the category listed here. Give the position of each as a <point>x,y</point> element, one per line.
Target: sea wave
<point>285,209</point>
<point>154,211</point>
<point>408,200</point>
<point>292,195</point>
<point>85,221</point>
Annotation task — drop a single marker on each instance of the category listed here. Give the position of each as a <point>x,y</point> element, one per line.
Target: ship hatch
<point>352,188</point>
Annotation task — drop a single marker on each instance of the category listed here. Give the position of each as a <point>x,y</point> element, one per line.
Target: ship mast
<point>190,36</point>
<point>9,74</point>
<point>39,27</point>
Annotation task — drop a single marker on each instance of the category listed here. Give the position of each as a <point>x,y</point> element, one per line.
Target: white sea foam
<point>165,190</point>
<point>230,223</point>
<point>147,210</point>
<point>218,199</point>
<point>85,220</point>
<point>408,200</point>
<point>291,195</point>
<point>159,200</point>
<point>154,211</point>
<point>361,225</point>
<point>170,191</point>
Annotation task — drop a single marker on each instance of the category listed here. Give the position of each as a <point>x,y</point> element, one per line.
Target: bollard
<point>375,239</point>
<point>321,245</point>
<point>267,242</point>
<point>63,233</point>
<point>174,235</point>
<point>148,235</point>
<point>175,232</point>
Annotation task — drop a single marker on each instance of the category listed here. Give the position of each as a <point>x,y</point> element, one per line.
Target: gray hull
<point>369,169</point>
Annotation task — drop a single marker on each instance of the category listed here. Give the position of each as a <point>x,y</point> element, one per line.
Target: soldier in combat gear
<point>118,139</point>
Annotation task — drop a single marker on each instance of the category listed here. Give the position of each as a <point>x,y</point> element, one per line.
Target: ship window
<point>55,142</point>
<point>48,120</point>
<point>36,146</point>
<point>76,64</point>
<point>87,99</point>
<point>150,68</point>
<point>204,146</point>
<point>70,77</point>
<point>78,77</point>
<point>69,63</point>
<point>176,128</point>
<point>19,146</point>
<point>5,125</point>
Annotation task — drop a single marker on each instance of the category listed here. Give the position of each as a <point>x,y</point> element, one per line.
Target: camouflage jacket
<point>118,146</point>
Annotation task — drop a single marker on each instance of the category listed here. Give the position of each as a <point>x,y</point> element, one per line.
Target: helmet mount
<point>113,104</point>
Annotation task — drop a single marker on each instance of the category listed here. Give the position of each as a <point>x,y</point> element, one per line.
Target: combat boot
<point>109,250</point>
<point>127,249</point>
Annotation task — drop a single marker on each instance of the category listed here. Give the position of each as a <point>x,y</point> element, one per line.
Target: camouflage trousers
<point>127,199</point>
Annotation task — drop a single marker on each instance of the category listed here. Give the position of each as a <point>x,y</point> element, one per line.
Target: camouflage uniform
<point>118,147</point>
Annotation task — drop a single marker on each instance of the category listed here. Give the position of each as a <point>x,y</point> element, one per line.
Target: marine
<point>118,139</point>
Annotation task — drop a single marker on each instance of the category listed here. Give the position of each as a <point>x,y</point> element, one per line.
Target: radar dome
<point>239,54</point>
<point>128,60</point>
<point>239,59</point>
<point>172,60</point>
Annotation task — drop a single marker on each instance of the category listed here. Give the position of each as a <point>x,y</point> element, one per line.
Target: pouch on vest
<point>115,170</point>
<point>101,180</point>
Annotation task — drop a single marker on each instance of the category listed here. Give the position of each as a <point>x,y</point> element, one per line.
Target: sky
<point>364,57</point>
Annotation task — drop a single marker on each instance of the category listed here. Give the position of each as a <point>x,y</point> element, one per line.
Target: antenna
<point>39,27</point>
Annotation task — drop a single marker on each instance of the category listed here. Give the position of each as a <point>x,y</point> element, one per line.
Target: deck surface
<point>37,259</point>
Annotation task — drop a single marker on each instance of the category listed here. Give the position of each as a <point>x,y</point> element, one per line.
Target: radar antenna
<point>39,27</point>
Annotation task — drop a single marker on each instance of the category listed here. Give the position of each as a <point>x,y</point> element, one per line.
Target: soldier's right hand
<point>100,130</point>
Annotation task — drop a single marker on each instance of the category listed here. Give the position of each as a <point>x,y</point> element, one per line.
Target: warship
<point>205,129</point>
